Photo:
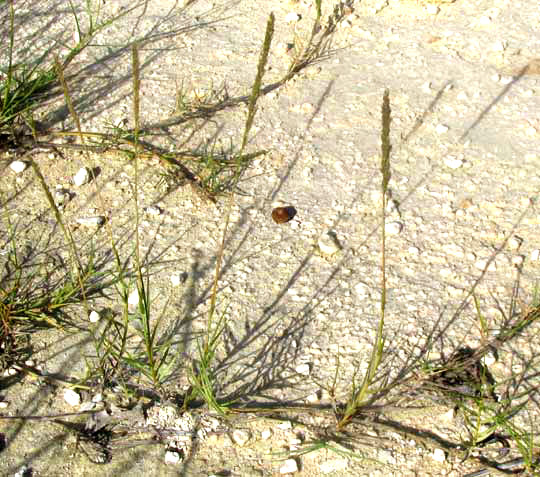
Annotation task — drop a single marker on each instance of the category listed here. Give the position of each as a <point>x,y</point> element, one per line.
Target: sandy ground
<point>463,78</point>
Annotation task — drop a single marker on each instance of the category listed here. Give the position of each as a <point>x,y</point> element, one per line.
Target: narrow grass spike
<point>256,90</point>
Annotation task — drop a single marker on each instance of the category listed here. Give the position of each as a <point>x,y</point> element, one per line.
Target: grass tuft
<point>360,395</point>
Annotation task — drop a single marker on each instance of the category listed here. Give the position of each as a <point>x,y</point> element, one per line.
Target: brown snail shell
<point>283,214</point>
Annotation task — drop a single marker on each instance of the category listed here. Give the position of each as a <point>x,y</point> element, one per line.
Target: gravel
<point>465,131</point>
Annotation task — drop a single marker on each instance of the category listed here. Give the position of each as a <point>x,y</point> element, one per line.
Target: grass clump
<point>24,86</point>
<point>202,376</point>
<point>362,394</point>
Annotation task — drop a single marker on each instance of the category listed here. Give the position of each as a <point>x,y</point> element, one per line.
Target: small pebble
<point>481,265</point>
<point>453,162</point>
<point>393,228</point>
<point>290,466</point>
<point>303,369</point>
<point>133,298</point>
<point>82,177</point>
<point>484,20</point>
<point>361,290</point>
<point>441,129</point>
<point>96,221</point>
<point>426,87</point>
<point>489,359</point>
<point>153,210</point>
<point>292,17</point>
<point>94,316</point>
<point>23,471</point>
<point>438,455</point>
<point>386,456</point>
<point>515,242</point>
<point>518,260</point>
<point>285,425</point>
<point>380,5</point>
<point>266,434</point>
<point>10,371</point>
<point>240,437</point>
<point>4,404</point>
<point>283,49</point>
<point>535,255</point>
<point>328,243</point>
<point>18,166</point>
<point>294,443</point>
<point>87,406</point>
<point>448,416</point>
<point>61,196</point>
<point>499,46</point>
<point>97,398</point>
<point>314,397</point>
<point>72,397</point>
<point>391,206</point>
<point>172,457</point>
<point>432,9</point>
<point>178,278</point>
<point>307,108</point>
